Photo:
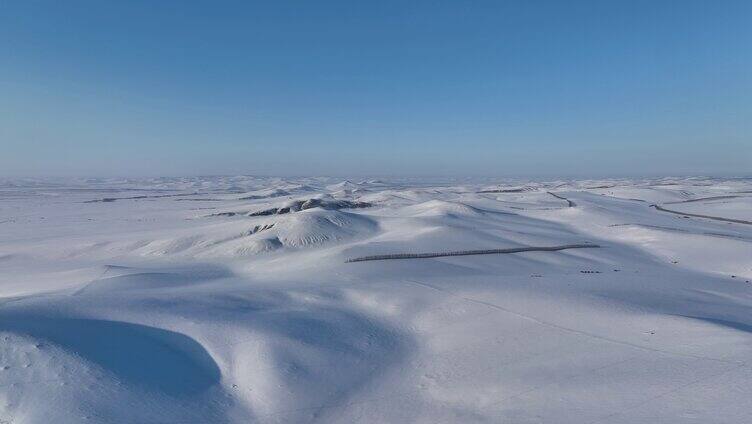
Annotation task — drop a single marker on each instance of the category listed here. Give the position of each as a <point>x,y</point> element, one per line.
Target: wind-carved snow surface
<point>242,299</point>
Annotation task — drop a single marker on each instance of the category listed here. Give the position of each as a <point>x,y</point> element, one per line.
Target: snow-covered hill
<point>233,299</point>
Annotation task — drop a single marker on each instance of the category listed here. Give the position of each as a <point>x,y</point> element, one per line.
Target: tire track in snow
<point>667,393</point>
<point>573,330</point>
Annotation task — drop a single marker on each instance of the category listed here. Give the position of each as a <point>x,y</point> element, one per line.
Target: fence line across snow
<point>471,252</point>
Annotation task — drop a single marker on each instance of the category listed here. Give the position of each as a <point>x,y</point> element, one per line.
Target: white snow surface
<point>165,301</point>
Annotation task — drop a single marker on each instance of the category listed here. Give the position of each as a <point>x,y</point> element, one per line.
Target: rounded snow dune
<point>254,235</point>
<point>151,358</point>
<point>303,229</point>
<point>320,226</point>
<point>441,208</point>
<point>136,279</point>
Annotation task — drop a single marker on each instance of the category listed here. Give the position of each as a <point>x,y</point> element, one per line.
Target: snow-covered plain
<point>231,299</point>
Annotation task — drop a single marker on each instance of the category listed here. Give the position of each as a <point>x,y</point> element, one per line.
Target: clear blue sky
<point>500,88</point>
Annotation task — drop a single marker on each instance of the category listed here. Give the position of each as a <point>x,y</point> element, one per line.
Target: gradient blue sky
<point>498,88</point>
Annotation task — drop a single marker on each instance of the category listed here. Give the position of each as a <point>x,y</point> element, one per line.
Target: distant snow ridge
<point>264,194</point>
<point>343,186</point>
<point>301,205</point>
<point>442,208</point>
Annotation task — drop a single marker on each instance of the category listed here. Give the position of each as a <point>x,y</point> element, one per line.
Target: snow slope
<point>168,300</point>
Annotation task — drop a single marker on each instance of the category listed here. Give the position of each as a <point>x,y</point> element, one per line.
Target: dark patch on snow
<point>141,197</point>
<point>507,190</point>
<point>471,252</point>
<point>259,228</point>
<point>301,205</point>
